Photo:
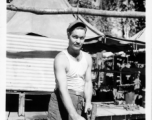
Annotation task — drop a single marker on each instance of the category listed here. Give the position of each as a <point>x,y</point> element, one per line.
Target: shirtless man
<point>72,68</point>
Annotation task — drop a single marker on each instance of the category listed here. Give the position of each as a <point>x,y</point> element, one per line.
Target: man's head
<point>76,34</point>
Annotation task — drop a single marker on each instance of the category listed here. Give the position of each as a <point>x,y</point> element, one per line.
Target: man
<point>72,68</point>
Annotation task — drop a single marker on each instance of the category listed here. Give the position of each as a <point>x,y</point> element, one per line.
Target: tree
<point>117,27</point>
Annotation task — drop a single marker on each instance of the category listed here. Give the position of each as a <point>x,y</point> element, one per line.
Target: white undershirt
<point>76,74</point>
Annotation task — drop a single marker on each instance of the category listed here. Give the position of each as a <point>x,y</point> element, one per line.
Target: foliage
<point>118,27</point>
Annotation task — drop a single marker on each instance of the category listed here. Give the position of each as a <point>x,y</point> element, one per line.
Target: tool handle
<point>88,114</point>
<point>94,111</point>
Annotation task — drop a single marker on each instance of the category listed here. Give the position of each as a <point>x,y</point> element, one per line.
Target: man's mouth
<point>77,45</point>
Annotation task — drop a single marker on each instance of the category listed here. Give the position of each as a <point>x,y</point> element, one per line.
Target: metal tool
<point>91,114</point>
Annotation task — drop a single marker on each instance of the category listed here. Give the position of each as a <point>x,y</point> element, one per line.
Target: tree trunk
<point>126,31</point>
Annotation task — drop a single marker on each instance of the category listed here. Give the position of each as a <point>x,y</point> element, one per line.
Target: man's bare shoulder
<point>61,58</point>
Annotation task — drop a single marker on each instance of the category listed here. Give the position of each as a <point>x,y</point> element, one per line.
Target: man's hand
<point>78,117</point>
<point>88,106</point>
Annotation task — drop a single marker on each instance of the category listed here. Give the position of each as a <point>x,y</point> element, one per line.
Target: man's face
<point>76,38</point>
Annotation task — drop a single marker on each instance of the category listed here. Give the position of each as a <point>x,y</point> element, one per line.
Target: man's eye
<point>75,37</point>
<point>81,38</point>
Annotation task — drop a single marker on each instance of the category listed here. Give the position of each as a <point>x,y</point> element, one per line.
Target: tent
<point>140,36</point>
<point>52,26</point>
<point>113,44</point>
<point>139,39</point>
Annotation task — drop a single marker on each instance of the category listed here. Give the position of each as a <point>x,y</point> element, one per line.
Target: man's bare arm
<point>60,74</point>
<point>88,84</point>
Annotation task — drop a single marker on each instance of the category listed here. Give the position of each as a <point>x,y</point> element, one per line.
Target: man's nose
<point>78,40</point>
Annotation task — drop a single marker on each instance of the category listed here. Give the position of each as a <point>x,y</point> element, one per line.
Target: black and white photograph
<point>76,60</point>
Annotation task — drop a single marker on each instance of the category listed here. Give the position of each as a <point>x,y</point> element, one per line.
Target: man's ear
<point>68,34</point>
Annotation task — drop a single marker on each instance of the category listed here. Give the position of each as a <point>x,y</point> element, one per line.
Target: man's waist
<point>76,85</point>
<point>76,92</point>
<point>79,93</point>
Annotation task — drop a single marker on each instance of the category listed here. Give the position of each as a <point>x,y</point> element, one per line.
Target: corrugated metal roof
<point>28,73</point>
<point>16,43</point>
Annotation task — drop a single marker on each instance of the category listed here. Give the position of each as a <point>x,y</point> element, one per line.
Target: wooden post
<point>21,110</point>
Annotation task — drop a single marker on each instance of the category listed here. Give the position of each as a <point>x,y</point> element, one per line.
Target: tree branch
<point>85,11</point>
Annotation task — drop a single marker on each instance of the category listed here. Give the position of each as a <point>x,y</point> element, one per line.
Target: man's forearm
<point>67,102</point>
<point>88,91</point>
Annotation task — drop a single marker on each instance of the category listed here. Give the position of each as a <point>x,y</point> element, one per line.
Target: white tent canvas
<point>52,26</point>
<point>140,36</point>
